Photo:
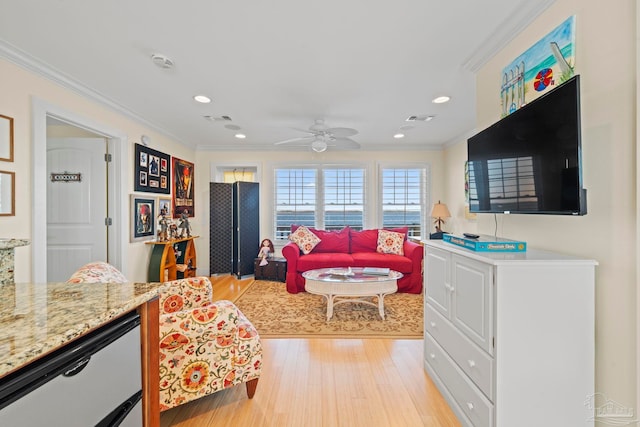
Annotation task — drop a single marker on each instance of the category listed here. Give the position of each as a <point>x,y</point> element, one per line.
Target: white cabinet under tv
<point>509,337</point>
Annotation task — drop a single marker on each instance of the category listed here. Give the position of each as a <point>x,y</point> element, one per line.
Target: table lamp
<point>439,212</point>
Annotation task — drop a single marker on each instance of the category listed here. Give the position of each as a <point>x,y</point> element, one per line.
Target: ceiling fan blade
<point>299,139</point>
<point>343,144</point>
<point>342,132</point>
<point>304,130</point>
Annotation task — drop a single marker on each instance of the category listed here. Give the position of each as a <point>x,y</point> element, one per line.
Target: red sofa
<point>351,248</point>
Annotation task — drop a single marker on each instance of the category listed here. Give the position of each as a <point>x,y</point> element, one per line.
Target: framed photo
<point>151,170</point>
<point>183,187</point>
<point>143,218</point>
<point>164,203</point>
<point>6,138</point>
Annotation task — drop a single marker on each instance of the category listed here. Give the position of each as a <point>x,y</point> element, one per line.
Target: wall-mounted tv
<point>529,162</point>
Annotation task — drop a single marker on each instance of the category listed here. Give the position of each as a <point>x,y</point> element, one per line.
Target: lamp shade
<point>440,210</point>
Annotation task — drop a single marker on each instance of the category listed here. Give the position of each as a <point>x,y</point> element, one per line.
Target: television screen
<point>530,160</point>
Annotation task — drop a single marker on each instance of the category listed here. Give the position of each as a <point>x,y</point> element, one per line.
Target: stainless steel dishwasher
<point>95,380</point>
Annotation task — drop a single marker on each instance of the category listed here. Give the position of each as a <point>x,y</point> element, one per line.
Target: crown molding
<point>513,25</point>
<point>40,68</point>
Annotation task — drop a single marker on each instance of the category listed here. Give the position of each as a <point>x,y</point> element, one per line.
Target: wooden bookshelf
<point>172,259</point>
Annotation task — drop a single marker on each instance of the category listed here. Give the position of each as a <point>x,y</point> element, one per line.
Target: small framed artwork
<point>183,188</point>
<point>164,203</point>
<point>6,138</point>
<point>143,214</point>
<point>7,193</point>
<point>151,170</point>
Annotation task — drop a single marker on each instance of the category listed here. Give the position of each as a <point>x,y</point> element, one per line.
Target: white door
<point>76,211</point>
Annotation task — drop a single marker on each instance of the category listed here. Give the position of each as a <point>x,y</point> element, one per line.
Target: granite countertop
<point>36,319</point>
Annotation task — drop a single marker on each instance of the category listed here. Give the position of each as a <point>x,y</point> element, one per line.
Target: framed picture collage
<point>171,178</point>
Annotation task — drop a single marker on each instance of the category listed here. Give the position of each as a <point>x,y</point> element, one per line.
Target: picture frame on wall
<point>183,187</point>
<point>143,218</point>
<point>6,138</point>
<point>164,203</point>
<point>151,170</point>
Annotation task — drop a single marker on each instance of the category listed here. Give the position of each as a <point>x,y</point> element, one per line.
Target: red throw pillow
<point>330,241</point>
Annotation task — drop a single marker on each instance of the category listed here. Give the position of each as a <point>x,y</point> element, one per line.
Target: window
<point>343,198</point>
<point>404,199</point>
<point>295,199</point>
<point>326,198</point>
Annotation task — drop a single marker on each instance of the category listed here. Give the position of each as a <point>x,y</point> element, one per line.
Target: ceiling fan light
<point>319,146</point>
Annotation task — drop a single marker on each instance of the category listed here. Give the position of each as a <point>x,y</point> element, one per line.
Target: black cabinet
<point>276,270</point>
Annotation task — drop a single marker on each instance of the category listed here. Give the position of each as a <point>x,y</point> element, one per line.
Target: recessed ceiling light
<point>240,135</point>
<point>398,135</point>
<point>441,100</point>
<point>203,99</point>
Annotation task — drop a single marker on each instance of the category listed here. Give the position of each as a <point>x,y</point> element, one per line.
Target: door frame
<point>118,177</point>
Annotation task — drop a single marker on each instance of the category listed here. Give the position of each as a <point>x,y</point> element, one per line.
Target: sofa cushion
<point>373,259</point>
<point>305,239</point>
<point>367,240</point>
<point>330,241</point>
<point>364,241</point>
<point>324,260</point>
<point>390,242</point>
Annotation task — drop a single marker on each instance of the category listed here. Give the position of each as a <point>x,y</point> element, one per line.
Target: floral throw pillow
<point>305,239</point>
<point>390,242</point>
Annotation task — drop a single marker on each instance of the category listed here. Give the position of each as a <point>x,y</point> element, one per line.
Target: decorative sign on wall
<point>544,65</point>
<point>183,188</point>
<point>66,177</point>
<point>152,170</point>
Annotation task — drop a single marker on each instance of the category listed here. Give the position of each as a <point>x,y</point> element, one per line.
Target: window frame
<point>320,169</point>
<point>425,194</point>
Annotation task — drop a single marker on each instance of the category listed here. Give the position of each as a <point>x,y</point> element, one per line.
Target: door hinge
<point>107,157</point>
<point>493,342</point>
<point>108,222</point>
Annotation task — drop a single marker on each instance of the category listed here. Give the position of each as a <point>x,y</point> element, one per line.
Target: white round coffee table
<point>340,285</point>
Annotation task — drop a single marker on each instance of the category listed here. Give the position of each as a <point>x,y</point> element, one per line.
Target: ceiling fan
<point>322,136</point>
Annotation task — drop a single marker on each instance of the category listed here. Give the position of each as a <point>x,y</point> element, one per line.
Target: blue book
<point>486,243</point>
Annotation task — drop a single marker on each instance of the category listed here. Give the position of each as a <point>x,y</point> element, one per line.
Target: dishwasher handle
<point>77,367</point>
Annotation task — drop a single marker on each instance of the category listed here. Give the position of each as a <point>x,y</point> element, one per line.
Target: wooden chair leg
<point>251,387</point>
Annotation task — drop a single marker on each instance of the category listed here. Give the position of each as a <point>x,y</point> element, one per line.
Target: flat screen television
<point>529,162</point>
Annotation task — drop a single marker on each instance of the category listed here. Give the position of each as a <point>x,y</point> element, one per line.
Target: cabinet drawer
<point>469,399</point>
<point>477,364</point>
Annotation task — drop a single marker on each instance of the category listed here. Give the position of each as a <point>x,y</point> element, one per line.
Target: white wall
<point>605,59</point>
<point>18,88</point>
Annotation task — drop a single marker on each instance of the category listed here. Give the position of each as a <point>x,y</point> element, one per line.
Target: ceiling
<point>271,66</point>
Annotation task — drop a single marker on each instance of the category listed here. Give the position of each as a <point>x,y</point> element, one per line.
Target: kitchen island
<point>40,321</point>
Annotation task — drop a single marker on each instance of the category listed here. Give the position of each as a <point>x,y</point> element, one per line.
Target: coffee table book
<point>486,243</point>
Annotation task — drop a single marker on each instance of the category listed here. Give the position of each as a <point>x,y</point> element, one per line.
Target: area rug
<point>278,314</point>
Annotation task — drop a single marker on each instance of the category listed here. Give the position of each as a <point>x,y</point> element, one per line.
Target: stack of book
<point>376,271</point>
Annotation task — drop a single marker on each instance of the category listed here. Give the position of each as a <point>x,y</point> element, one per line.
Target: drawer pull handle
<point>431,355</point>
<point>433,324</point>
<point>470,406</point>
<point>77,367</point>
<point>471,363</point>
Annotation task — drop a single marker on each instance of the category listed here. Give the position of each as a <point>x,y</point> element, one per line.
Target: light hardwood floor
<point>324,382</point>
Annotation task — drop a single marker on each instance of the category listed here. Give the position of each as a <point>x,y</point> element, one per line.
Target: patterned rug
<point>279,314</point>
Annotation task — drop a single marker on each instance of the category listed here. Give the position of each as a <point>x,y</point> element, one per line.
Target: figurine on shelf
<point>266,251</point>
<point>164,224</point>
<point>184,224</point>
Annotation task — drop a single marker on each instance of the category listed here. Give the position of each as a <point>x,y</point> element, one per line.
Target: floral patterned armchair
<point>205,346</point>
